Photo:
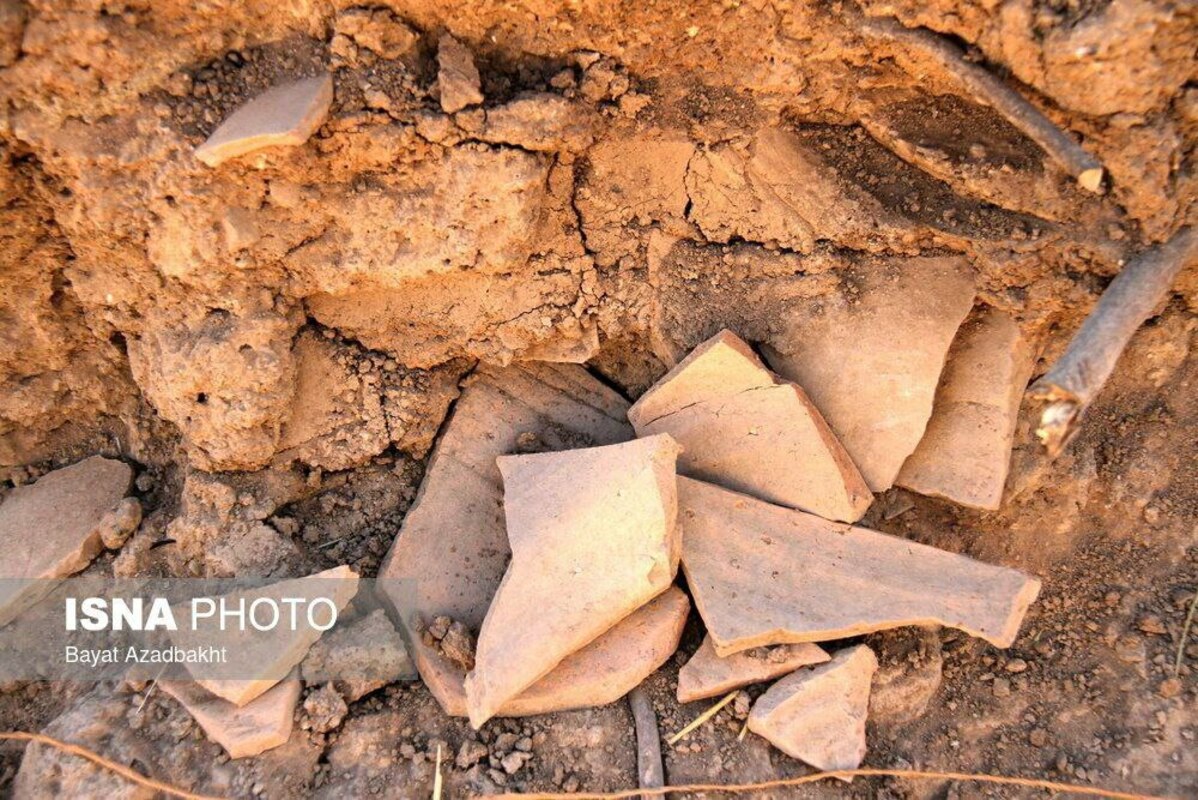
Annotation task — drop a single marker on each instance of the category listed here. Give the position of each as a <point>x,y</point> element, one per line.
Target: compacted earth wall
<point>272,336</point>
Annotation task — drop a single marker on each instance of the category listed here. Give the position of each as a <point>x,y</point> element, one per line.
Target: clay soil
<point>274,344</point>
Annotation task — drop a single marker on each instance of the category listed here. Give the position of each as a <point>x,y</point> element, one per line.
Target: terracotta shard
<point>966,452</point>
<point>54,527</point>
<point>452,551</point>
<point>762,574</point>
<point>708,675</point>
<point>870,360</point>
<point>245,730</point>
<point>593,539</point>
<point>742,427</point>
<point>818,715</point>
<point>612,665</point>
<point>267,655</point>
<point>284,115</point>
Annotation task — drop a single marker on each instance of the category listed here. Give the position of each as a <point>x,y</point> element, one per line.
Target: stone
<point>742,427</point>
<point>120,523</point>
<point>871,359</point>
<point>285,115</point>
<point>244,730</point>
<point>761,575</point>
<point>540,121</point>
<point>378,30</point>
<point>359,657</point>
<point>965,453</point>
<point>612,665</point>
<point>818,715</point>
<point>225,378</point>
<point>469,754</point>
<point>513,762</point>
<point>336,420</point>
<point>324,709</point>
<point>218,534</point>
<point>457,76</point>
<point>266,655</point>
<point>452,550</point>
<point>240,229</point>
<point>708,675</point>
<point>593,539</point>
<point>53,528</point>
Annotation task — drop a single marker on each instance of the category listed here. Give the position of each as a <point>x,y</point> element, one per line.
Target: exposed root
<point>1080,373</point>
<point>998,95</point>
<point>910,774</point>
<point>108,764</point>
<point>650,771</point>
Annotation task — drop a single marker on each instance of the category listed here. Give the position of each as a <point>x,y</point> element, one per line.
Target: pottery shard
<point>612,665</point>
<point>360,657</point>
<point>818,715</point>
<point>451,553</point>
<point>284,115</point>
<point>457,76</point>
<point>871,361</point>
<point>708,675</point>
<point>761,575</point>
<point>593,539</point>
<point>54,527</point>
<point>245,730</point>
<point>742,427</point>
<point>966,452</point>
<point>257,660</point>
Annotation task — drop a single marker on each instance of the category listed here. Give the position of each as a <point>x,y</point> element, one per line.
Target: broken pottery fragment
<point>818,715</point>
<point>457,76</point>
<point>871,359</point>
<point>966,452</point>
<point>451,553</point>
<point>245,730</point>
<point>271,654</point>
<point>54,528</point>
<point>612,665</point>
<point>284,115</point>
<point>742,427</point>
<point>359,657</point>
<point>761,574</point>
<point>593,539</point>
<point>708,675</point>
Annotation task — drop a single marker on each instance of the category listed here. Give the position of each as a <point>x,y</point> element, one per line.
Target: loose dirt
<point>274,344</point>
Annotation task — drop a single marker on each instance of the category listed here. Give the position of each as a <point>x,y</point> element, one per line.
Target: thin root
<point>437,776</point>
<point>910,774</point>
<point>1083,369</point>
<point>699,720</point>
<point>1185,635</point>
